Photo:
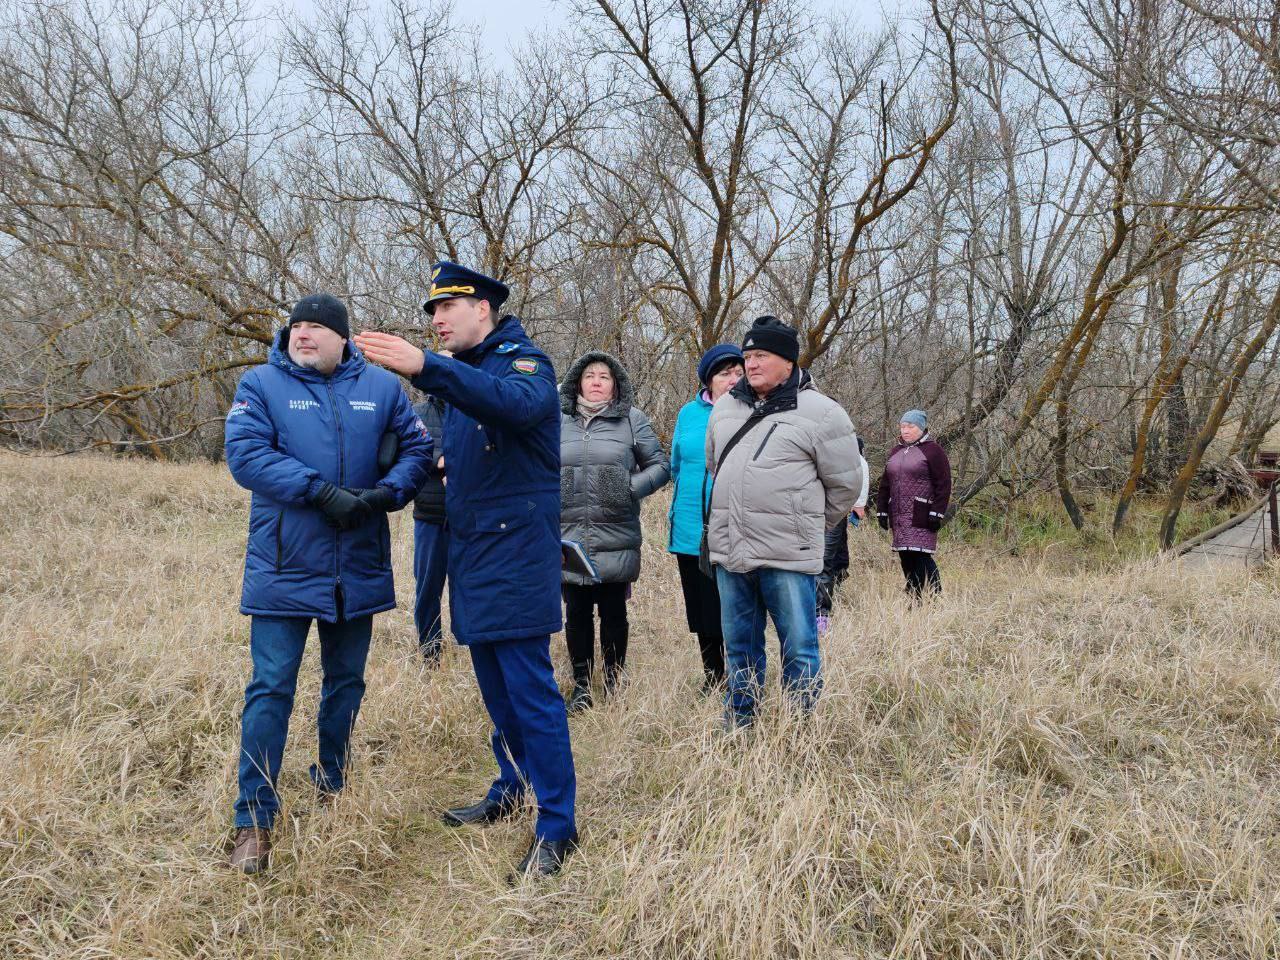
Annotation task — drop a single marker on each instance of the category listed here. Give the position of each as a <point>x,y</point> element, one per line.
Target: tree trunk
<point>1181,483</point>
<point>1178,418</point>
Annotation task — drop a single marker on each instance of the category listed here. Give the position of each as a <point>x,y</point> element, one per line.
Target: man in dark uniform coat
<point>501,448</point>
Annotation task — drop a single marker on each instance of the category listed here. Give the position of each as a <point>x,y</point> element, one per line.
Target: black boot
<point>579,698</point>
<point>612,679</point>
<point>481,814</point>
<point>711,647</point>
<point>432,652</point>
<point>544,858</point>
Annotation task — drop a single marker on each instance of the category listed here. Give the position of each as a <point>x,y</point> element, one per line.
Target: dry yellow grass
<point>1038,765</point>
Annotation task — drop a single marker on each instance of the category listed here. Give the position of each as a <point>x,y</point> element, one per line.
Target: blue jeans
<point>530,730</point>
<point>430,563</point>
<point>791,600</point>
<point>276,644</point>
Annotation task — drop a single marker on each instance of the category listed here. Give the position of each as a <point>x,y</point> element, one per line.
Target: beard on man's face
<point>316,358</point>
<point>318,363</point>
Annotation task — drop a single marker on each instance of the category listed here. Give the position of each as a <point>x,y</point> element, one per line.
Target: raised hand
<point>387,350</point>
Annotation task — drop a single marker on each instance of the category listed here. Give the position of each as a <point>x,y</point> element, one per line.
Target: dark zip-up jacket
<point>428,505</point>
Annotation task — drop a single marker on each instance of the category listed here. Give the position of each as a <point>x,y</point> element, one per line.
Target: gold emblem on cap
<point>460,290</point>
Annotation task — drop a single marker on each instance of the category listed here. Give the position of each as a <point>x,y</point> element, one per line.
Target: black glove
<point>380,499</point>
<point>883,518</point>
<point>342,509</point>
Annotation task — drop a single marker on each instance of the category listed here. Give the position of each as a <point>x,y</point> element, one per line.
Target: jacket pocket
<point>810,527</point>
<point>502,519</point>
<point>798,524</point>
<point>279,540</point>
<point>760,449</point>
<point>613,491</point>
<point>924,516</point>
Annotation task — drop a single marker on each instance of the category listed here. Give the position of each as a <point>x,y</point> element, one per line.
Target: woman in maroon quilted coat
<point>912,501</point>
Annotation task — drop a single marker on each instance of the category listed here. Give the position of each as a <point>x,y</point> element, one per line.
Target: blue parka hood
<point>352,365</point>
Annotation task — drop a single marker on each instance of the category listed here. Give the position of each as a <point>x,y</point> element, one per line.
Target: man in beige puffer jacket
<point>792,473</point>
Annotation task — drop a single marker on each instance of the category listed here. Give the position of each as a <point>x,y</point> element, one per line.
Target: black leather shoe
<point>483,813</point>
<point>544,858</point>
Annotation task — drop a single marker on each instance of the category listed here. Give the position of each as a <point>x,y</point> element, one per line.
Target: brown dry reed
<point>1040,764</point>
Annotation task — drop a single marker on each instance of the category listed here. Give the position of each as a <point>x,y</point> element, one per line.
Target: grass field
<point>1051,761</point>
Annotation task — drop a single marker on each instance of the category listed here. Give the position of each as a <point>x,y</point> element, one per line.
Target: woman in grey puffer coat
<point>610,460</point>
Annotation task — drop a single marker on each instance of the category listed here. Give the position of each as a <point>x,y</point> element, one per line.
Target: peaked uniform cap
<point>450,280</point>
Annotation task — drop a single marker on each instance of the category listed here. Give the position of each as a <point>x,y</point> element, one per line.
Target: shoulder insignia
<point>525,365</point>
<point>506,347</point>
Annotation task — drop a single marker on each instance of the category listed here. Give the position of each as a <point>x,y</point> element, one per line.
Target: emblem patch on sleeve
<point>525,366</point>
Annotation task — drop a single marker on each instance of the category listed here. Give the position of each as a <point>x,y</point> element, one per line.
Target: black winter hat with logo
<point>771,334</point>
<point>324,309</point>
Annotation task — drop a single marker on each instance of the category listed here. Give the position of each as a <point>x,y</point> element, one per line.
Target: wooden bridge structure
<point>1251,536</point>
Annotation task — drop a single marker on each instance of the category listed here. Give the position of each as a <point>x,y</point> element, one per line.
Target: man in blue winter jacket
<point>501,448</point>
<point>303,435</point>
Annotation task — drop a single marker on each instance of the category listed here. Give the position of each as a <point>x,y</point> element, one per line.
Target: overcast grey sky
<point>506,21</point>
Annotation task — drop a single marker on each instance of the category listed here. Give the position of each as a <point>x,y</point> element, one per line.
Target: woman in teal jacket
<point>718,370</point>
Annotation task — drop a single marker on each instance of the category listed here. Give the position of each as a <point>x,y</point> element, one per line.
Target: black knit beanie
<point>324,309</point>
<point>770,333</point>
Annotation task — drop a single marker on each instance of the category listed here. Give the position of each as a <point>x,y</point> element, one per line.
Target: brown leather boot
<point>252,850</point>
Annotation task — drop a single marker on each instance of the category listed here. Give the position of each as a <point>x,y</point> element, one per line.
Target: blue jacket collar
<point>352,364</point>
<point>509,329</point>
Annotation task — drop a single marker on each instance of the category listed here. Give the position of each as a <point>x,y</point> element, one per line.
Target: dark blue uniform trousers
<point>430,563</point>
<point>531,730</point>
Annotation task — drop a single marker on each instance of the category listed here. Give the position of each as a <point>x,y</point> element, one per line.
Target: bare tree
<point>688,178</point>
<point>1048,221</point>
<point>137,176</point>
<point>447,156</point>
